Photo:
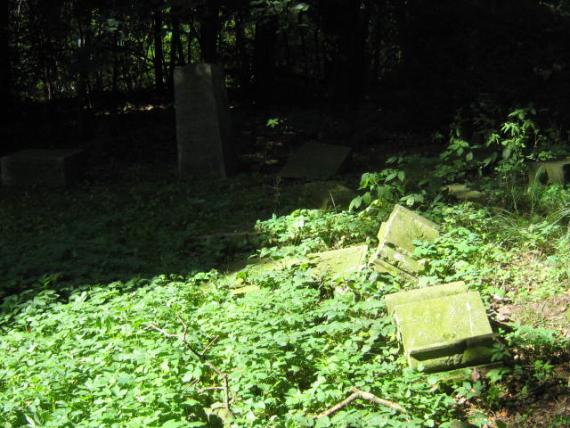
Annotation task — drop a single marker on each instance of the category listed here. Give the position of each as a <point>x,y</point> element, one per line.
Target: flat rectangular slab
<point>340,262</point>
<point>203,128</point>
<point>422,294</point>
<point>442,332</point>
<point>316,161</point>
<point>403,227</point>
<point>42,167</point>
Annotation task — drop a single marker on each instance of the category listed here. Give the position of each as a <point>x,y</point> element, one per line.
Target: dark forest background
<point>72,68</point>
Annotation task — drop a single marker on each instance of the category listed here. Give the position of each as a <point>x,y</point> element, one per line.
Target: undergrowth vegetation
<point>138,330</point>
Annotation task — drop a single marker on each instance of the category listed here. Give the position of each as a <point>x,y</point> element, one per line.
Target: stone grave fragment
<point>316,161</point>
<point>396,242</point>
<point>203,127</point>
<point>550,172</point>
<point>42,167</point>
<point>335,263</point>
<point>463,192</point>
<point>442,327</point>
<point>326,195</point>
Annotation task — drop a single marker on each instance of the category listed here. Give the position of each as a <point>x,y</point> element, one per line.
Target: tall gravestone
<point>203,127</point>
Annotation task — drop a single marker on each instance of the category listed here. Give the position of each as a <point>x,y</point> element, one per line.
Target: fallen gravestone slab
<point>396,242</point>
<point>442,327</point>
<point>334,262</point>
<point>203,127</point>
<point>462,192</point>
<point>550,172</point>
<point>41,167</point>
<point>316,161</point>
<point>403,227</point>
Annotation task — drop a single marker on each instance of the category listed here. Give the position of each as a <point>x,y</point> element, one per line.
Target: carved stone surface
<point>203,127</point>
<point>41,167</point>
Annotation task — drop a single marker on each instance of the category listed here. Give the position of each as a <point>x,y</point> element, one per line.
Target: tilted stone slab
<point>403,227</point>
<point>41,167</point>
<point>442,333</point>
<point>316,161</point>
<point>403,262</point>
<point>203,128</point>
<point>422,294</point>
<point>550,172</point>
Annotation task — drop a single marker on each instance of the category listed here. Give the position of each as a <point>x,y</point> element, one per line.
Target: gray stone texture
<point>203,126</point>
<point>42,167</point>
<point>316,160</point>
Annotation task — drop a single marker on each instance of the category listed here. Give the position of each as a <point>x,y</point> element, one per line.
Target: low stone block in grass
<point>442,327</point>
<point>41,167</point>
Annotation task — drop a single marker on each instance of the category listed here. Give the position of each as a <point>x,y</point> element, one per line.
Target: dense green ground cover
<point>121,321</point>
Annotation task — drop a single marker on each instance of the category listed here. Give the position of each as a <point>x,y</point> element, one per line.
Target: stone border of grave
<point>42,167</point>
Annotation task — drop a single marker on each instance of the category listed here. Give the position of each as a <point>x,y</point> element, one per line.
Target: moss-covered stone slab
<point>399,260</point>
<point>403,227</point>
<point>550,172</point>
<point>335,262</point>
<point>444,332</point>
<point>423,294</point>
<point>316,160</point>
<point>340,262</point>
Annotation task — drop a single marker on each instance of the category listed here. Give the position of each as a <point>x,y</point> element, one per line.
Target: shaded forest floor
<point>93,274</point>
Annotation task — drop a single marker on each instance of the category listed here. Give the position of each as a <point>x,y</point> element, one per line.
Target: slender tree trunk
<point>5,88</point>
<point>158,60</point>
<point>243,58</point>
<point>264,58</point>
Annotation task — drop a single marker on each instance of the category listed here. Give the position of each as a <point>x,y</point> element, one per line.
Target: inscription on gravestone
<point>203,127</point>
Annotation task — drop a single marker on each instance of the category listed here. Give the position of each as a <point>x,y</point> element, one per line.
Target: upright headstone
<point>203,127</point>
<point>42,167</point>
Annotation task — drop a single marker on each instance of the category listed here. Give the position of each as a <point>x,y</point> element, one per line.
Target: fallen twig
<point>356,394</point>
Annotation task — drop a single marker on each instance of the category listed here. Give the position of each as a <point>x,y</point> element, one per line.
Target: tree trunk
<point>5,88</point>
<point>209,28</point>
<point>264,58</point>
<point>158,60</point>
<point>243,58</point>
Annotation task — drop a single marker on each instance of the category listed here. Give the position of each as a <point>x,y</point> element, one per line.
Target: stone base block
<point>50,168</point>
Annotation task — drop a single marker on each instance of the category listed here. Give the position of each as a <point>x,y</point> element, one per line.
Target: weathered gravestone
<point>550,172</point>
<point>396,242</point>
<point>203,127</point>
<point>42,167</point>
<point>335,263</point>
<point>442,327</point>
<point>316,160</point>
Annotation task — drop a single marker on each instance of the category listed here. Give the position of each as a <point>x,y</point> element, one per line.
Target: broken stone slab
<point>462,192</point>
<point>339,262</point>
<point>550,172</point>
<point>390,260</point>
<point>316,161</point>
<point>403,227</point>
<point>203,126</point>
<point>42,167</point>
<point>426,293</point>
<point>442,331</point>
